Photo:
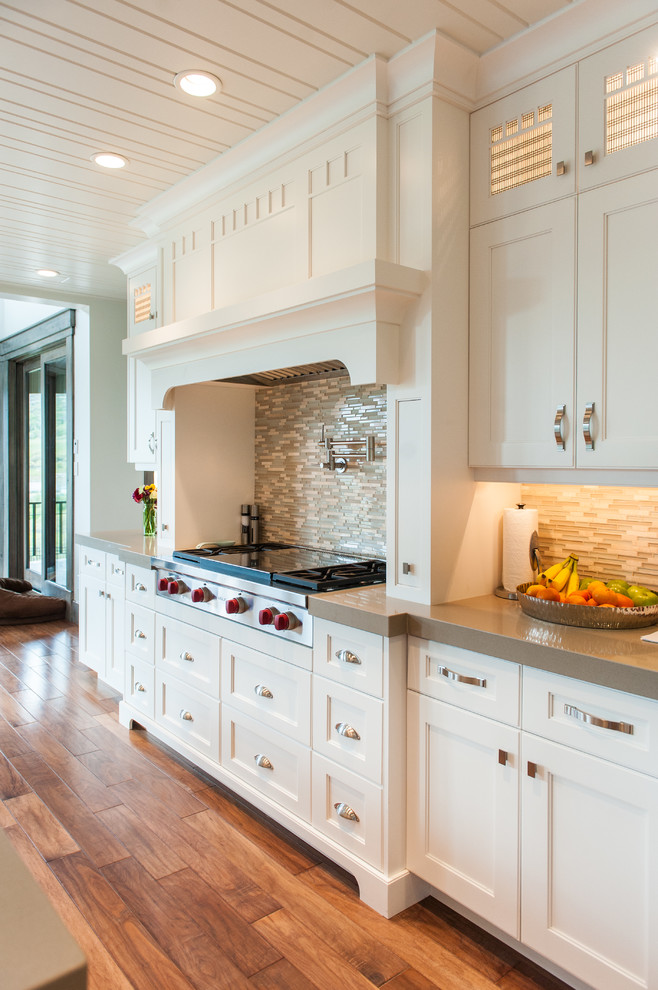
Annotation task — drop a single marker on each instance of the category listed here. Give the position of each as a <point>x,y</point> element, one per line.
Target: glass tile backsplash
<point>614,531</point>
<point>301,500</point>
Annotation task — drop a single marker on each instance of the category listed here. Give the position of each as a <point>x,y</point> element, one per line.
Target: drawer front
<point>140,686</point>
<point>115,571</point>
<point>619,727</point>
<point>347,728</point>
<point>474,681</point>
<point>276,693</point>
<point>140,585</point>
<point>349,656</point>
<point>188,714</point>
<point>92,563</point>
<point>274,765</point>
<point>348,810</point>
<point>189,654</point>
<point>140,632</point>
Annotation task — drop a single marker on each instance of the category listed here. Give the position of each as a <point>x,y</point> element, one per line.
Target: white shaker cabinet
<point>521,404</point>
<point>523,148</point>
<point>143,310</point>
<point>101,604</point>
<point>617,403</point>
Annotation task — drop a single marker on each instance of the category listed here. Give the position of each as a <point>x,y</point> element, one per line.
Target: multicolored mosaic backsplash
<point>614,531</point>
<point>301,500</point>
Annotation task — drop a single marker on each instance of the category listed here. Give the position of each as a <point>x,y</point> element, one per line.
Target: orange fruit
<point>591,601</point>
<point>576,599</point>
<point>603,595</point>
<point>586,594</point>
<point>548,594</point>
<point>623,601</point>
<point>533,589</point>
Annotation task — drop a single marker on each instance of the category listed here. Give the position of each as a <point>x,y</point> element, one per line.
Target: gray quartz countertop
<point>616,658</point>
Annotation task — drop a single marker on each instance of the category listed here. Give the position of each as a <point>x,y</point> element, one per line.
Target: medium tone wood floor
<point>168,882</point>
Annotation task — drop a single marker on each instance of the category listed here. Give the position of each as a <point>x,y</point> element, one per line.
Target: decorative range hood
<point>354,316</point>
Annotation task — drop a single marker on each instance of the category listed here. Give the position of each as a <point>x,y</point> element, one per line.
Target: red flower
<point>137,495</point>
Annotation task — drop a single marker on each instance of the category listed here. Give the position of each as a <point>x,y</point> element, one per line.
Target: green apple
<point>618,585</point>
<point>641,597</point>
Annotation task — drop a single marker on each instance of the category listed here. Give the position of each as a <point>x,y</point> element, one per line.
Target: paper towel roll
<point>518,528</point>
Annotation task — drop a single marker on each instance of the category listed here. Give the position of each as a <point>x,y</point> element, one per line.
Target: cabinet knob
<point>346,656</point>
<point>262,761</point>
<point>557,427</point>
<point>343,729</point>
<point>344,811</point>
<point>101,594</point>
<point>185,715</point>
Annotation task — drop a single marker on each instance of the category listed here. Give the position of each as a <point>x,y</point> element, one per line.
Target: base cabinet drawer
<point>275,693</point>
<point>140,686</point>
<point>188,714</point>
<point>347,809</point>
<point>191,655</point>
<point>140,585</point>
<point>347,728</point>
<point>276,766</point>
<point>350,656</point>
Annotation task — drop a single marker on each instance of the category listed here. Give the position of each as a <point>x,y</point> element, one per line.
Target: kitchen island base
<point>386,893</point>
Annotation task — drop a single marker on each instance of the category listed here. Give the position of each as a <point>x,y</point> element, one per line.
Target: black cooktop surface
<point>283,563</point>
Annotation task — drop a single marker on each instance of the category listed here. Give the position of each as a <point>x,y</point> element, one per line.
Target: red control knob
<point>200,595</point>
<point>267,616</point>
<point>173,587</point>
<point>163,584</point>
<point>235,605</point>
<point>285,620</point>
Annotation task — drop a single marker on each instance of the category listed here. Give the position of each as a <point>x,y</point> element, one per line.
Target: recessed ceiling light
<point>47,272</point>
<point>108,159</point>
<point>196,82</point>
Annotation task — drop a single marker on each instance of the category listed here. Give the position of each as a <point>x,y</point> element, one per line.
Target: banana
<point>560,582</point>
<point>573,583</point>
<point>552,572</point>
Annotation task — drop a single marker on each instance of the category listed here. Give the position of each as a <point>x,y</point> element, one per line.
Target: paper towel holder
<point>535,563</point>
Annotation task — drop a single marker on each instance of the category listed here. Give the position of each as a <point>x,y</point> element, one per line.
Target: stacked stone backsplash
<point>614,531</point>
<point>299,499</point>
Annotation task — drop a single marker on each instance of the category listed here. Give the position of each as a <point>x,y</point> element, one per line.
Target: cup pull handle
<point>345,811</point>
<point>262,761</point>
<point>262,691</point>
<point>139,634</point>
<point>185,715</point>
<point>343,729</point>
<point>602,723</point>
<point>557,427</point>
<point>186,656</point>
<point>346,656</point>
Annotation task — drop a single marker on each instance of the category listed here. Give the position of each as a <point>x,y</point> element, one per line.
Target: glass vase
<point>148,518</point>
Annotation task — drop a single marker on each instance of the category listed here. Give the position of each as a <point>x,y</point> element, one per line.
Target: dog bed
<point>19,604</point>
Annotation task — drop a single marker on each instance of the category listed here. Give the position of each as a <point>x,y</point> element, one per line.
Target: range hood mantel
<point>353,315</point>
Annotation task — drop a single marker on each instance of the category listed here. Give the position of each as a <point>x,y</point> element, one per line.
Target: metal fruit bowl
<point>586,615</point>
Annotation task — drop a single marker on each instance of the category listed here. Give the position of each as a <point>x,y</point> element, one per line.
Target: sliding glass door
<point>47,469</point>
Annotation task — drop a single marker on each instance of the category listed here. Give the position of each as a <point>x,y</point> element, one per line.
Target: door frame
<point>15,351</point>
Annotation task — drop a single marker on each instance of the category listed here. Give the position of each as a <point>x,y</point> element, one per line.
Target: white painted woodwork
<point>637,51</point>
<point>275,693</point>
<point>590,866</point>
<point>187,281</point>
<point>187,713</point>
<point>617,306</point>
<point>410,536</point>
<point>463,808</point>
<point>141,417</point>
<point>101,614</point>
<point>348,728</point>
<point>140,585</point>
<point>114,636</point>
<point>558,90</point>
<point>187,653</point>
<point>205,463</point>
<point>522,338</point>
<point>446,672</point>
<point>334,786</point>
<point>352,657</point>
<point>92,563</point>
<point>92,611</point>
<point>245,741</point>
<point>140,632</point>
<point>546,696</point>
<point>139,691</point>
<point>143,300</point>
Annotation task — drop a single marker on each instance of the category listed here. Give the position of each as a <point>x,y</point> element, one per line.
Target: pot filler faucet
<point>249,524</point>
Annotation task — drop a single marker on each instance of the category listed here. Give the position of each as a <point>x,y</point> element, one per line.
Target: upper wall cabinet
<point>523,148</point>
<point>618,110</point>
<point>143,301</point>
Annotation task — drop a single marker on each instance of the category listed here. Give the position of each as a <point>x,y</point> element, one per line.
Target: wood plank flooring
<point>167,881</point>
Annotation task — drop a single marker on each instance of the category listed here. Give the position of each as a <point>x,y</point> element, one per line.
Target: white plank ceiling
<point>80,76</point>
